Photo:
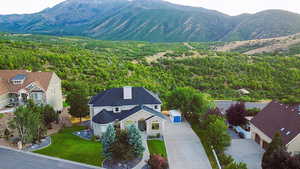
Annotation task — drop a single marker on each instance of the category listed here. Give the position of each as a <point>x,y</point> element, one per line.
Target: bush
<point>6,134</point>
<point>225,159</point>
<point>158,162</point>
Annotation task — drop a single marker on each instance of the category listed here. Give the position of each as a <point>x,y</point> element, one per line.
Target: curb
<point>53,158</point>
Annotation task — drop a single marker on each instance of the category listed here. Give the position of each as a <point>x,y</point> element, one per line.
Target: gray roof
<point>114,97</point>
<point>105,117</point>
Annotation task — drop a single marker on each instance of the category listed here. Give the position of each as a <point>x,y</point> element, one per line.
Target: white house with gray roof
<point>125,106</point>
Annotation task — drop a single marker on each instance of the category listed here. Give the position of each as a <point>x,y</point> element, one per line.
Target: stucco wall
<point>262,136</point>
<point>4,100</point>
<point>294,145</point>
<point>54,93</point>
<point>161,126</point>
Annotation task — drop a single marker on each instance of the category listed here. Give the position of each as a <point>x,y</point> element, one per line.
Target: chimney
<point>127,92</point>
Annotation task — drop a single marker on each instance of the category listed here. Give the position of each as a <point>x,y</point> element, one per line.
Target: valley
<point>160,67</point>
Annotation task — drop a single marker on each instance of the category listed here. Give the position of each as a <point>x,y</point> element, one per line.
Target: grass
<point>1,116</point>
<point>202,135</point>
<point>67,146</point>
<point>157,147</point>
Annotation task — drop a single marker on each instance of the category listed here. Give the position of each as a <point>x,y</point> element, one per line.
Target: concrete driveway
<point>12,159</point>
<point>246,151</point>
<point>184,148</point>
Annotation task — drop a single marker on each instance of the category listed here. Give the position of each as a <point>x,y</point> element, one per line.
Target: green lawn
<point>202,135</point>
<point>1,116</point>
<point>157,147</point>
<point>65,145</point>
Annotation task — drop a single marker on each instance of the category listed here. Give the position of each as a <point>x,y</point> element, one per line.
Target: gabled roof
<point>42,78</point>
<point>105,117</point>
<point>278,117</point>
<point>114,97</point>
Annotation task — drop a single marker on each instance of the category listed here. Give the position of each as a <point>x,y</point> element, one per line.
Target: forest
<point>107,64</point>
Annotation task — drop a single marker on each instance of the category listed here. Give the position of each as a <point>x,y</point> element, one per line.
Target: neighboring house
<point>17,86</point>
<point>126,106</point>
<point>277,117</point>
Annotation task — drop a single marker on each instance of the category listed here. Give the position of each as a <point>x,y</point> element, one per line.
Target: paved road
<point>246,151</point>
<point>223,105</point>
<point>11,159</point>
<point>184,148</point>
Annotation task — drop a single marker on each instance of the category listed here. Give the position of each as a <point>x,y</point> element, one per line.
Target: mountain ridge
<point>150,20</point>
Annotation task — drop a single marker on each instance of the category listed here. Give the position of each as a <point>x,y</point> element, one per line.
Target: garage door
<point>257,139</point>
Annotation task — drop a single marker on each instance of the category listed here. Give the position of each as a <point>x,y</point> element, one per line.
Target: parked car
<point>241,135</point>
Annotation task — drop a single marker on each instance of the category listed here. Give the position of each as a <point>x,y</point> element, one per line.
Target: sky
<point>230,7</point>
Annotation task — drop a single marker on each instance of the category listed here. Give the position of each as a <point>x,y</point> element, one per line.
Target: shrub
<point>135,140</point>
<point>158,162</point>
<point>235,165</point>
<point>6,134</point>
<point>107,140</point>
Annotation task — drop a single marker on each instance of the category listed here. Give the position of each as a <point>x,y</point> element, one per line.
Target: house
<point>17,86</point>
<point>125,106</point>
<point>277,117</point>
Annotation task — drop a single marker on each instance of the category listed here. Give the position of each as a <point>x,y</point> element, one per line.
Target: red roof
<point>42,79</point>
<point>278,117</point>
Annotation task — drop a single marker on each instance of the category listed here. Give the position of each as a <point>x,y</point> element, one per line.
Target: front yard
<point>157,147</point>
<point>67,146</point>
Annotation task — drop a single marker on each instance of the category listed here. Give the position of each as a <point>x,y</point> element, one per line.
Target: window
<point>155,107</point>
<point>155,126</point>
<point>117,109</point>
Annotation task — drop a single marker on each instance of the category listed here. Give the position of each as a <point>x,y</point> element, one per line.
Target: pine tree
<point>135,140</point>
<point>107,140</point>
<point>275,147</point>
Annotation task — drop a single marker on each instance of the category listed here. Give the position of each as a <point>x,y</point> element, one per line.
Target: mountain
<point>149,20</point>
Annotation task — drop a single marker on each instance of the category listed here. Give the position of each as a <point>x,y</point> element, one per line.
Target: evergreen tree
<point>135,140</point>
<point>275,149</point>
<point>108,138</point>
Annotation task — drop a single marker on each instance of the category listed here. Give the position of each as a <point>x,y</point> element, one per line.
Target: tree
<point>236,114</point>
<point>158,162</point>
<point>29,123</point>
<point>78,100</point>
<point>276,155</point>
<point>121,150</point>
<point>135,140</point>
<point>235,165</point>
<point>217,134</point>
<point>49,115</point>
<point>108,138</point>
<point>189,101</point>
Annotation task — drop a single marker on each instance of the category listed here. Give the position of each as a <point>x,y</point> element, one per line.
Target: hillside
<point>150,20</point>
<point>286,45</point>
<point>107,64</point>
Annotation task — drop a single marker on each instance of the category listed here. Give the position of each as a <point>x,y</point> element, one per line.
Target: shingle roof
<point>42,78</point>
<point>105,117</point>
<point>114,97</point>
<point>278,117</point>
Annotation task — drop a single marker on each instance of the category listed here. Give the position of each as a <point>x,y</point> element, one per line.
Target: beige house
<point>281,118</point>
<point>17,86</point>
<point>125,106</point>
